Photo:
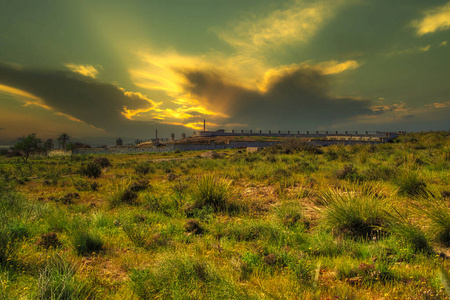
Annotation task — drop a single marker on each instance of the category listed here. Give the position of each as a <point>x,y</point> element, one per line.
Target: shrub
<point>212,191</point>
<point>353,214</point>
<point>91,170</point>
<point>181,277</point>
<point>103,162</point>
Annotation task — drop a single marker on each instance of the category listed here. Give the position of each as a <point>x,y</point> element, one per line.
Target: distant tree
<point>48,144</point>
<point>137,141</point>
<point>27,146</point>
<point>63,139</point>
<point>70,147</point>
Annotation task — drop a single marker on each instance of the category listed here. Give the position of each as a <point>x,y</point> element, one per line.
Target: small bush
<point>103,162</point>
<point>213,191</point>
<point>91,170</point>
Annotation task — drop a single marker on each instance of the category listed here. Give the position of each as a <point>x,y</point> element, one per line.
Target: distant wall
<point>210,146</point>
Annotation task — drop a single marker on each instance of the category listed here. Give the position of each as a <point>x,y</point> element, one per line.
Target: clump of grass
<point>91,170</point>
<point>214,192</point>
<point>411,234</point>
<point>137,234</point>
<point>143,168</point>
<point>57,281</point>
<point>410,184</point>
<point>348,172</point>
<point>48,240</point>
<point>123,194</point>
<point>180,277</point>
<point>438,213</point>
<point>193,226</point>
<point>289,213</point>
<point>102,161</point>
<point>353,214</point>
<point>84,240</point>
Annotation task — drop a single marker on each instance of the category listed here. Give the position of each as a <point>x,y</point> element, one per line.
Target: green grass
<point>290,222</point>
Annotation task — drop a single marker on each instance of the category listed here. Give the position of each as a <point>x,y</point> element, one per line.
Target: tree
<point>27,146</point>
<point>63,139</point>
<point>48,144</point>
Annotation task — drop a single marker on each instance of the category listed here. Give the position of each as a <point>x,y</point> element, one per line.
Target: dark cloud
<point>95,103</point>
<point>297,100</point>
<point>408,117</point>
<point>2,128</point>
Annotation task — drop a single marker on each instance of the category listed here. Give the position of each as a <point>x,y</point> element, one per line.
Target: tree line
<point>31,144</point>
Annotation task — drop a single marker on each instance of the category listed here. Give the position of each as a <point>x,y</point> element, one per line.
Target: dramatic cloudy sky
<point>99,69</point>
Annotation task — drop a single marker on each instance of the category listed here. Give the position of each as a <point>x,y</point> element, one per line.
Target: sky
<point>102,69</point>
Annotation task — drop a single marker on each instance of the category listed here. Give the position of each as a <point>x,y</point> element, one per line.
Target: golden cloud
<point>297,22</point>
<point>85,70</point>
<point>27,98</point>
<point>435,19</point>
<point>440,104</point>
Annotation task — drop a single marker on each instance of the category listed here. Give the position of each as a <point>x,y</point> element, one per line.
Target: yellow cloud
<point>444,43</point>
<point>435,19</point>
<point>85,70</point>
<point>297,22</point>
<point>411,51</point>
<point>440,104</point>
<point>331,67</point>
<point>27,98</point>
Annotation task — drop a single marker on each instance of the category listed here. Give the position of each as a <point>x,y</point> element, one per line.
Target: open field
<point>291,222</point>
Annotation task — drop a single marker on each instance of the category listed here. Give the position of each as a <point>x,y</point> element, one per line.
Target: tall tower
<point>156,133</point>
<point>204,124</point>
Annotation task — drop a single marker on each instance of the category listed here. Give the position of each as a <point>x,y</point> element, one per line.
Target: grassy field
<point>291,222</point>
